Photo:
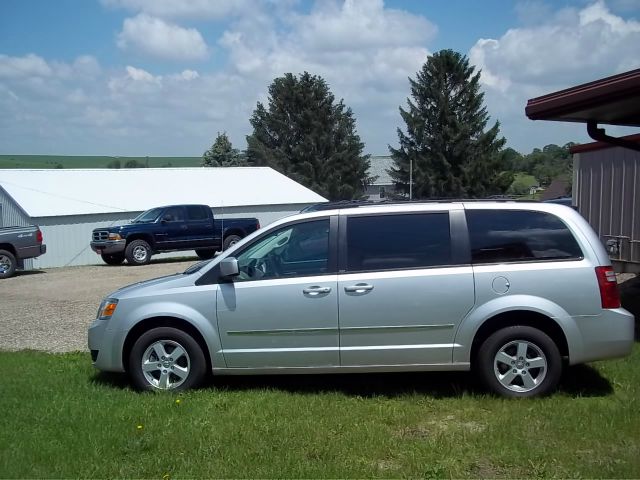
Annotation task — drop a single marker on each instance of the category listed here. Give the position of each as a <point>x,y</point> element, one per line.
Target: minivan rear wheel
<point>166,358</point>
<point>519,361</point>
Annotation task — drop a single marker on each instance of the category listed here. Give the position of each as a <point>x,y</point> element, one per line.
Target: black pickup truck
<point>168,229</point>
<point>18,244</point>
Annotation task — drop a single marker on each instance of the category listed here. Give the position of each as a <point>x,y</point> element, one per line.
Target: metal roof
<point>612,100</point>
<point>593,146</point>
<point>379,168</point>
<point>48,193</point>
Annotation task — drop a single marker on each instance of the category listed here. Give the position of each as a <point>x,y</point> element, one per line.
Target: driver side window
<point>300,249</point>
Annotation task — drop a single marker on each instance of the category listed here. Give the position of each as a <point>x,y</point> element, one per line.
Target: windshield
<point>147,217</point>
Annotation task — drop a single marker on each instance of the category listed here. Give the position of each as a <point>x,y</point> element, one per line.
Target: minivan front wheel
<point>166,358</point>
<point>519,361</point>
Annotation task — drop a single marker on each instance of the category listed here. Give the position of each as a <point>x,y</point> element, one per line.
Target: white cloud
<point>196,9</point>
<point>187,75</point>
<point>575,44</point>
<point>362,49</point>
<point>140,75</point>
<point>27,66</point>
<point>153,36</point>
<point>572,46</point>
<point>360,24</point>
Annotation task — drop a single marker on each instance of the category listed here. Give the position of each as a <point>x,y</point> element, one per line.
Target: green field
<point>61,419</point>
<point>54,161</point>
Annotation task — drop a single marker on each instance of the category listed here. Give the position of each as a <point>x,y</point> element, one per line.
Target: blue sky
<point>162,77</point>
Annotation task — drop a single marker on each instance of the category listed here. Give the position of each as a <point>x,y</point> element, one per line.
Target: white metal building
<point>69,204</point>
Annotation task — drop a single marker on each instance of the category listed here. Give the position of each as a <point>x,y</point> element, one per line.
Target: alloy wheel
<point>165,364</point>
<point>520,366</point>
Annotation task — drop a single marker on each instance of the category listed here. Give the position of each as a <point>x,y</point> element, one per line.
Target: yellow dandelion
<point>178,401</point>
<point>139,427</point>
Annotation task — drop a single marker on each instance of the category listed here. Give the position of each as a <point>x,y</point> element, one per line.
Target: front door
<point>402,291</point>
<point>282,310</point>
<point>172,231</point>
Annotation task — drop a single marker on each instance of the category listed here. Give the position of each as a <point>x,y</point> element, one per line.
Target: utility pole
<point>410,179</point>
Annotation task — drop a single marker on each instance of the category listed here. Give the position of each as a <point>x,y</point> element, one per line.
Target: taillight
<point>258,225</point>
<point>39,236</point>
<point>608,284</point>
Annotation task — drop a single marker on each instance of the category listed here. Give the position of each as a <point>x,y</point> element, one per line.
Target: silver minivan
<point>514,291</point>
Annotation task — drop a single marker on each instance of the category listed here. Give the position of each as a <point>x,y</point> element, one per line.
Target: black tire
<point>8,264</point>
<point>496,370</point>
<point>192,362</point>
<point>230,241</point>
<point>205,254</point>
<point>138,252</point>
<point>113,258</point>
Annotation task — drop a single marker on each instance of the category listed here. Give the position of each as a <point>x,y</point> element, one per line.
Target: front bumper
<point>108,246</point>
<point>105,345</point>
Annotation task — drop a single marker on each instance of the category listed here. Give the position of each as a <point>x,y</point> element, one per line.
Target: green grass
<point>62,419</point>
<point>52,161</point>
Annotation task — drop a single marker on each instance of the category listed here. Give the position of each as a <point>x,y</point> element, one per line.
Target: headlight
<point>107,308</point>
<point>115,236</point>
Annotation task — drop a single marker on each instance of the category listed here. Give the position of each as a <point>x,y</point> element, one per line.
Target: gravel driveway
<point>51,309</point>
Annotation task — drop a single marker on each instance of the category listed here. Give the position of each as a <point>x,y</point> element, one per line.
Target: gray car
<point>514,291</point>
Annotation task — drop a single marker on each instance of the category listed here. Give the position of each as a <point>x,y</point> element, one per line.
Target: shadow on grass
<point>582,380</point>
<point>110,379</point>
<point>577,381</point>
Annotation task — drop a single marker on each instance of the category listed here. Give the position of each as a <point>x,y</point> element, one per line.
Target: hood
<point>120,227</point>
<point>169,281</point>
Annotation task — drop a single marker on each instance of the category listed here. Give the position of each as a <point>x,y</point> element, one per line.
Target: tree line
<point>446,148</point>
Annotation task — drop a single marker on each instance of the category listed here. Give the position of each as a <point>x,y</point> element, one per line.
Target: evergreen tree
<point>445,140</point>
<point>133,163</point>
<point>304,134</point>
<point>222,154</point>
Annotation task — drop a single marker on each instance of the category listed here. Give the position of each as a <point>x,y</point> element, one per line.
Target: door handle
<point>359,288</point>
<point>183,227</point>
<point>315,291</point>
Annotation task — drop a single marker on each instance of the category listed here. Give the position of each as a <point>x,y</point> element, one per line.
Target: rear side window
<point>390,242</point>
<point>499,236</point>
<point>196,212</point>
<point>173,214</point>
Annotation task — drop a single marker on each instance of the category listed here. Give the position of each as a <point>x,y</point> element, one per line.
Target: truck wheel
<point>138,252</point>
<point>113,258</point>
<point>166,358</point>
<point>8,264</point>
<point>230,241</point>
<point>205,254</point>
<point>519,361</point>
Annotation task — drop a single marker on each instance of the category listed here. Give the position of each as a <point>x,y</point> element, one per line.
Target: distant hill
<point>63,161</point>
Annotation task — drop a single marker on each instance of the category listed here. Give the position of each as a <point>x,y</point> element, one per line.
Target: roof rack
<point>370,203</point>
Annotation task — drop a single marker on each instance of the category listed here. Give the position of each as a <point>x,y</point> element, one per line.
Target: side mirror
<point>229,267</point>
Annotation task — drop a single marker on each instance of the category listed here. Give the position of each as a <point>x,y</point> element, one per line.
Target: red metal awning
<point>613,100</point>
